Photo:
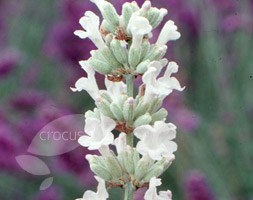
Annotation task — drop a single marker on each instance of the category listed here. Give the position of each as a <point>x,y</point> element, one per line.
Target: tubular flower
<point>155,141</point>
<point>163,86</point>
<point>90,23</point>
<point>138,26</point>
<point>168,33</point>
<point>101,193</point>
<point>88,84</point>
<point>151,193</point>
<point>98,132</point>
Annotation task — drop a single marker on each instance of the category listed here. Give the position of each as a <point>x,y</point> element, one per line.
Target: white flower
<point>98,132</point>
<point>115,89</point>
<point>99,3</point>
<point>155,141</point>
<point>146,6</point>
<point>151,193</point>
<point>90,23</point>
<point>89,84</point>
<point>168,33</point>
<point>101,193</point>
<point>121,143</point>
<point>138,26</point>
<point>163,86</point>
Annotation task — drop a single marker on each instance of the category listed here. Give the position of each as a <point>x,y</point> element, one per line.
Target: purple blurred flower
<point>186,119</point>
<point>30,125</point>
<point>52,193</point>
<point>197,187</point>
<point>232,23</point>
<point>139,194</point>
<point>8,61</point>
<point>74,162</point>
<point>189,21</point>
<point>225,5</point>
<point>27,100</point>
<point>62,43</point>
<point>8,147</point>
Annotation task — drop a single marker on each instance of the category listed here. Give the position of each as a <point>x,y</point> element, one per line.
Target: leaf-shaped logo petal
<point>46,183</point>
<point>59,136</point>
<point>32,165</point>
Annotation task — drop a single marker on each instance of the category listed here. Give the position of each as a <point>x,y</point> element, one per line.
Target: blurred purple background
<point>39,62</point>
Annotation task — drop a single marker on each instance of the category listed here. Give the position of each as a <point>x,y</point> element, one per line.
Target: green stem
<point>129,188</point>
<point>130,93</point>
<point>129,191</point>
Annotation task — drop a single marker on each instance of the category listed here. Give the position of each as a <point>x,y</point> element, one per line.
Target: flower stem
<point>130,93</point>
<point>129,188</point>
<point>129,191</point>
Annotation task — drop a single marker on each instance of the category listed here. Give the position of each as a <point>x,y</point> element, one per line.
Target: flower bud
<point>108,38</point>
<point>104,107</point>
<point>160,115</point>
<point>114,167</point>
<point>136,158</point>
<point>108,27</point>
<point>155,16</point>
<point>128,109</point>
<point>141,108</point>
<point>110,58</point>
<point>106,96</point>
<point>117,112</point>
<point>119,51</point>
<point>154,171</point>
<point>145,47</point>
<point>100,66</point>
<point>98,166</point>
<point>143,120</point>
<point>142,67</point>
<point>142,167</point>
<point>127,12</point>
<point>154,105</point>
<point>109,13</point>
<point>128,161</point>
<point>134,56</point>
<point>164,61</point>
<point>145,7</point>
<point>158,53</point>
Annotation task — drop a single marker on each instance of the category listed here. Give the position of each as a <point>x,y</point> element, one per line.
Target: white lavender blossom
<point>124,52</point>
<point>151,193</point>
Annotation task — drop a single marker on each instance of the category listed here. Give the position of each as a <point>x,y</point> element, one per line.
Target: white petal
<point>81,84</point>
<point>141,131</point>
<point>84,141</point>
<point>81,34</point>
<point>168,33</point>
<point>107,123</point>
<point>165,195</point>
<point>121,143</point>
<point>99,3</point>
<point>138,26</point>
<point>91,125</point>
<point>101,189</point>
<point>86,67</point>
<point>171,68</point>
<point>101,193</point>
